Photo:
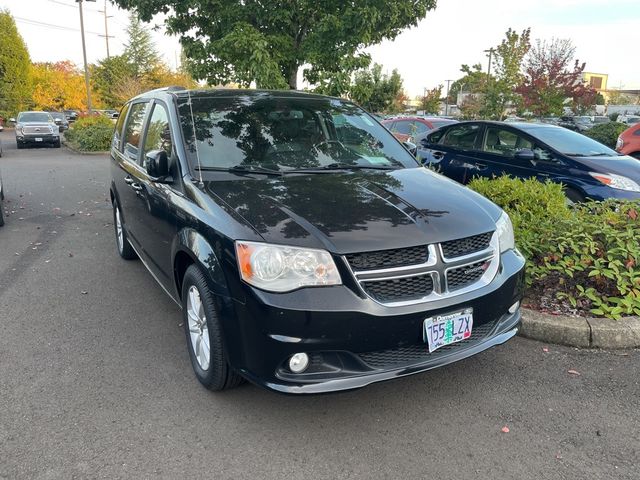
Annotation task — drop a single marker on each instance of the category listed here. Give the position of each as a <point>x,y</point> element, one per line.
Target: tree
<point>473,81</point>
<point>58,86</point>
<point>507,65</point>
<point>139,51</point>
<point>375,91</point>
<point>550,78</point>
<point>15,68</point>
<point>108,77</point>
<point>430,101</point>
<point>245,41</point>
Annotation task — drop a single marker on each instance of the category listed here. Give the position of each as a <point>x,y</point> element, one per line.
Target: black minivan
<point>307,248</point>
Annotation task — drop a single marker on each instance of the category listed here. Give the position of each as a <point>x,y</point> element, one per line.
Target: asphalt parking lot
<point>95,380</point>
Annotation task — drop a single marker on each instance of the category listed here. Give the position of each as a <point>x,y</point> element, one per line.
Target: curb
<point>584,332</point>
<point>82,152</point>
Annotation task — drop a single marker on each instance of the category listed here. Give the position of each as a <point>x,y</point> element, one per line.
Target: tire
<point>125,250</point>
<point>203,331</point>
<point>573,196</point>
<point>56,144</point>
<point>19,145</point>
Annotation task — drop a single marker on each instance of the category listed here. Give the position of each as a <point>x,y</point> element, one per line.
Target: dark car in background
<point>71,115</point>
<point>414,129</point>
<point>307,248</point>
<point>588,169</point>
<point>60,120</point>
<point>576,123</point>
<point>36,128</point>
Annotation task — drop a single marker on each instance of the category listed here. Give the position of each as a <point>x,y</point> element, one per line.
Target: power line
<point>72,6</point>
<point>51,25</point>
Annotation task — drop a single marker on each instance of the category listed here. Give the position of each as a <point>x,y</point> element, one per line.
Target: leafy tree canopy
<point>58,86</point>
<point>246,41</point>
<point>377,92</point>
<point>15,68</point>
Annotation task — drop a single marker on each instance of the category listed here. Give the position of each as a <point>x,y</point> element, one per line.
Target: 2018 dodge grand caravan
<point>307,248</point>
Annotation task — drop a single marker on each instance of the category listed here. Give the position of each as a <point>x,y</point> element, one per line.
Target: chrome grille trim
<point>437,267</point>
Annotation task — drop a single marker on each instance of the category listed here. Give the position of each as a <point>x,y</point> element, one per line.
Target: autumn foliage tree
<point>551,76</point>
<point>430,101</point>
<point>58,86</point>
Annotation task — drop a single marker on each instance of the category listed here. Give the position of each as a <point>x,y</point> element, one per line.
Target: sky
<point>604,32</point>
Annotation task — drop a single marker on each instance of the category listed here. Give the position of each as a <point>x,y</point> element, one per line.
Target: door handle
<point>437,155</point>
<point>128,180</point>
<point>136,186</point>
<point>481,166</point>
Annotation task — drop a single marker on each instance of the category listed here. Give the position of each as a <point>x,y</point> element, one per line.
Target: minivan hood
<point>347,212</point>
<point>619,164</point>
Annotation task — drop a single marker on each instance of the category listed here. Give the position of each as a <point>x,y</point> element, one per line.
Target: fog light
<point>299,362</point>
<point>514,307</point>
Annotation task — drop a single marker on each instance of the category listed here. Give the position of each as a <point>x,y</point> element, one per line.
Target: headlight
<point>277,268</point>
<point>619,143</point>
<point>616,181</point>
<point>505,233</point>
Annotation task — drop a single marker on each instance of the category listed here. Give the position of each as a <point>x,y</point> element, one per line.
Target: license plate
<point>38,139</point>
<point>447,329</point>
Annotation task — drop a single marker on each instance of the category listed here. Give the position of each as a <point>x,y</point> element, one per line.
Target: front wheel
<point>56,144</point>
<point>204,334</point>
<point>125,249</point>
<point>19,145</point>
<point>573,196</point>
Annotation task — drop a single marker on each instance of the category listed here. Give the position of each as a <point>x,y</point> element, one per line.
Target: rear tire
<point>125,250</point>
<point>204,334</point>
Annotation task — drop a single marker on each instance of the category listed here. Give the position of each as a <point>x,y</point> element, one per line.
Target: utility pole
<point>446,99</point>
<point>490,52</point>
<point>84,56</point>
<point>106,26</point>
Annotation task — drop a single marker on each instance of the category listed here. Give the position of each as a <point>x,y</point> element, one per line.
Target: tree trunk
<point>293,77</point>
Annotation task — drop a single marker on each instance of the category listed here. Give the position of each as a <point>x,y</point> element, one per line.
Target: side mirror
<point>524,155</point>
<point>412,147</point>
<point>157,164</point>
<point>425,143</point>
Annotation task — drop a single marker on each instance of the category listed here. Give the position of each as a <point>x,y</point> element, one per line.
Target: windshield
<point>263,131</point>
<point>582,119</point>
<point>571,143</point>
<point>57,116</point>
<point>43,117</point>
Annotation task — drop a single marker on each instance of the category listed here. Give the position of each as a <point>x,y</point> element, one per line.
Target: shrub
<point>582,259</point>
<point>92,134</point>
<point>606,133</point>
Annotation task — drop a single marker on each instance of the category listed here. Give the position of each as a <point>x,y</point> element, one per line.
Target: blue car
<point>588,169</point>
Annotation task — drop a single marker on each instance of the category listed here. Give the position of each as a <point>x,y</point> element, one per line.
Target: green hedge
<point>607,133</point>
<point>91,134</point>
<point>581,259</point>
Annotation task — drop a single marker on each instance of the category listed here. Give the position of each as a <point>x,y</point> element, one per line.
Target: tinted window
<point>133,130</point>
<point>436,136</point>
<point>500,141</point>
<point>286,133</point>
<point>462,136</point>
<point>158,134</point>
<point>403,127</point>
<point>571,143</point>
<point>118,130</point>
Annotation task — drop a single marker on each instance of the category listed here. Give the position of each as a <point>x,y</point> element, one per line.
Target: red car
<point>629,141</point>
<point>414,128</point>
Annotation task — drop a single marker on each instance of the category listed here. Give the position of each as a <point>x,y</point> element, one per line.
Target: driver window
<point>158,132</point>
<point>504,142</point>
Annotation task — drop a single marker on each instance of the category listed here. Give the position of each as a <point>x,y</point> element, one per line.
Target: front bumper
<point>32,139</point>
<point>354,341</point>
<point>600,193</point>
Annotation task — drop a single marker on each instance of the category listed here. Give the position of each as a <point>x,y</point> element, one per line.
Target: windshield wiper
<point>343,166</point>
<point>241,169</point>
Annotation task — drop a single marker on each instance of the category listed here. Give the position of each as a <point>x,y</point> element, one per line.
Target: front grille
<point>400,289</point>
<point>30,130</point>
<point>460,277</point>
<point>388,258</point>
<point>466,246</point>
<point>416,354</point>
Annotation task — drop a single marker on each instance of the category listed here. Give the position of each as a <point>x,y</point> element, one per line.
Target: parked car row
<point>586,168</point>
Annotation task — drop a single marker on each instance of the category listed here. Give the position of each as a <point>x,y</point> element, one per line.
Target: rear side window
<point>133,130</point>
<point>118,130</point>
<point>464,137</point>
<point>403,127</point>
